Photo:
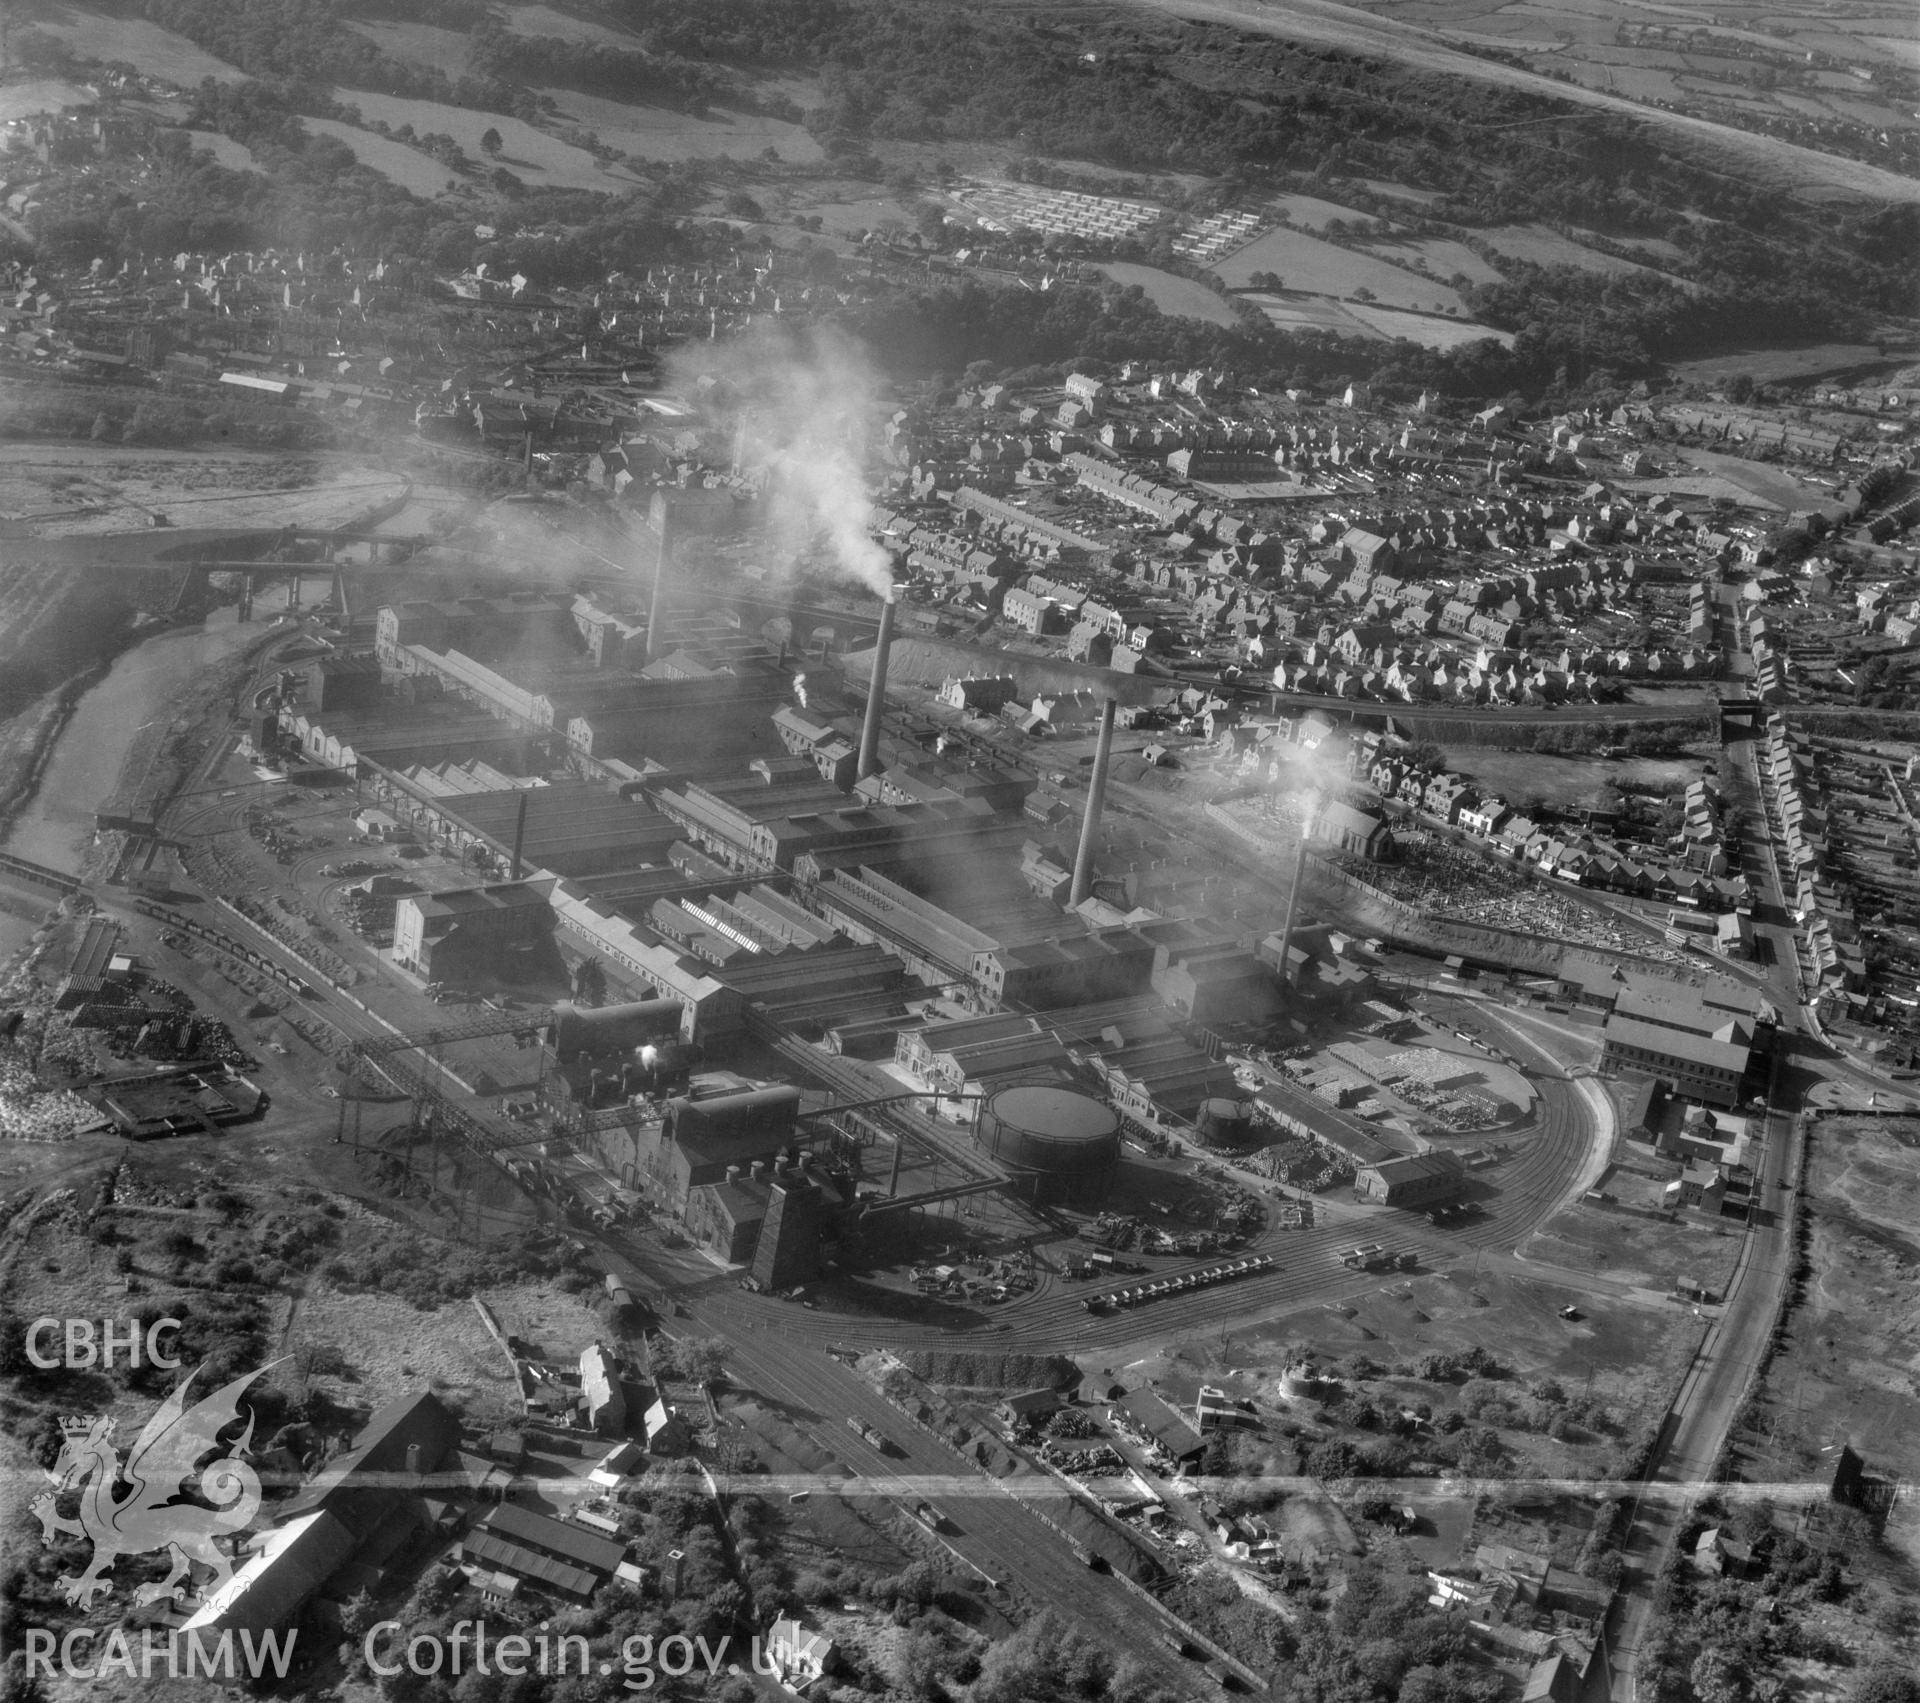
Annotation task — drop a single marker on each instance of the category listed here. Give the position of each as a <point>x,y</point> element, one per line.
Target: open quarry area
<point>885,851</point>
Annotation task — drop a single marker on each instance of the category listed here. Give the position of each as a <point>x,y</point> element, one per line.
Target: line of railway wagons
<point>1141,1293</point>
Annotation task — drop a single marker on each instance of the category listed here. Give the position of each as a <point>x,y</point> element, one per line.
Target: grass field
<point>418,173</point>
<point>549,20</point>
<point>1447,259</point>
<point>1402,191</point>
<point>1171,293</point>
<point>1780,366</point>
<point>1572,782</point>
<point>1544,247</point>
<point>1632,1249</point>
<point>417,44</point>
<point>1311,212</point>
<point>1322,268</point>
<point>529,153</point>
<point>158,52</point>
<point>1847,1370</point>
<point>1428,330</point>
<point>658,133</point>
<point>850,218</point>
<point>1318,313</point>
<point>1770,484</point>
<point>235,156</point>
<point>39,95</point>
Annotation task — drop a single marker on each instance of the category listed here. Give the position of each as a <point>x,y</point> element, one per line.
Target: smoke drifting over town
<point>805,400</point>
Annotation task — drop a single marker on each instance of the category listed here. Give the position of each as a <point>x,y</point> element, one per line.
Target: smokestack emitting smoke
<point>519,835</point>
<point>807,399</point>
<point>1293,892</point>
<point>1096,798</point>
<point>656,639</point>
<point>876,693</point>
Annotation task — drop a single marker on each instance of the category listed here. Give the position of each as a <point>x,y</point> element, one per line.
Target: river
<point>55,827</point>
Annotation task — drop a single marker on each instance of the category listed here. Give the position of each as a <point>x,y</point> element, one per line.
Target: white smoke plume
<point>807,399</point>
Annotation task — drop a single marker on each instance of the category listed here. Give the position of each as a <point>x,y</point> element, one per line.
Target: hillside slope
<point>1766,160</point>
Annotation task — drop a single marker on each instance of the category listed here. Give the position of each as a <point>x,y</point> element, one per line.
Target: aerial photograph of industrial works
<point>959,851</point>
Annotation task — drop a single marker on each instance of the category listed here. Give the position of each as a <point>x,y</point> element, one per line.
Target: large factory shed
<point>572,827</point>
<point>1418,1179</point>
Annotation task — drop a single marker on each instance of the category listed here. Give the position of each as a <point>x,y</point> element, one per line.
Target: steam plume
<point>806,400</point>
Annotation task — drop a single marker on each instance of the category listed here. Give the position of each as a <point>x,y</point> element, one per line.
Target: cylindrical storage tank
<point>1221,1122</point>
<point>1052,1138</point>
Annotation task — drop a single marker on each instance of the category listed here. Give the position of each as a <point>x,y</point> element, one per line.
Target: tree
<point>1887,1684</point>
<point>1718,1676</point>
<point>490,143</point>
<point>701,1358</point>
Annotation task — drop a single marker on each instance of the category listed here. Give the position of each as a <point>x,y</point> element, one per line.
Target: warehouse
<point>1416,1180</point>
<point>1708,1068</point>
<point>572,827</point>
<point>552,1556</point>
<point>470,931</point>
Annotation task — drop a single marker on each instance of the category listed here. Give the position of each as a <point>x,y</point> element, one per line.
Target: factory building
<point>1703,1043</point>
<point>703,1139</point>
<point>770,1217</point>
<point>482,627</point>
<point>1069,970</point>
<point>596,1055</point>
<point>366,743</point>
<point>336,683</point>
<point>573,828</point>
<point>1415,1180</point>
<point>471,932</point>
<point>1215,986</point>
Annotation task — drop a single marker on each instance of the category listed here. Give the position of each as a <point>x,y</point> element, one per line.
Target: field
<point>1443,257</point>
<point>850,218</point>
<point>118,38</point>
<point>1571,782</point>
<point>235,156</point>
<point>529,153</point>
<point>1773,486</point>
<point>547,20</point>
<point>1848,1370</point>
<point>1543,247</point>
<point>1786,366</point>
<point>1313,214</point>
<point>418,173</point>
<point>1403,191</point>
<point>1627,1355</point>
<point>1171,293</point>
<point>1630,1248</point>
<point>1306,263</point>
<point>419,44</point>
<point>39,95</point>
<point>1427,329</point>
<point>658,133</point>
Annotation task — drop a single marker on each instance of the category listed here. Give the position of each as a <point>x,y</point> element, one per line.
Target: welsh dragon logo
<point>150,1510</point>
